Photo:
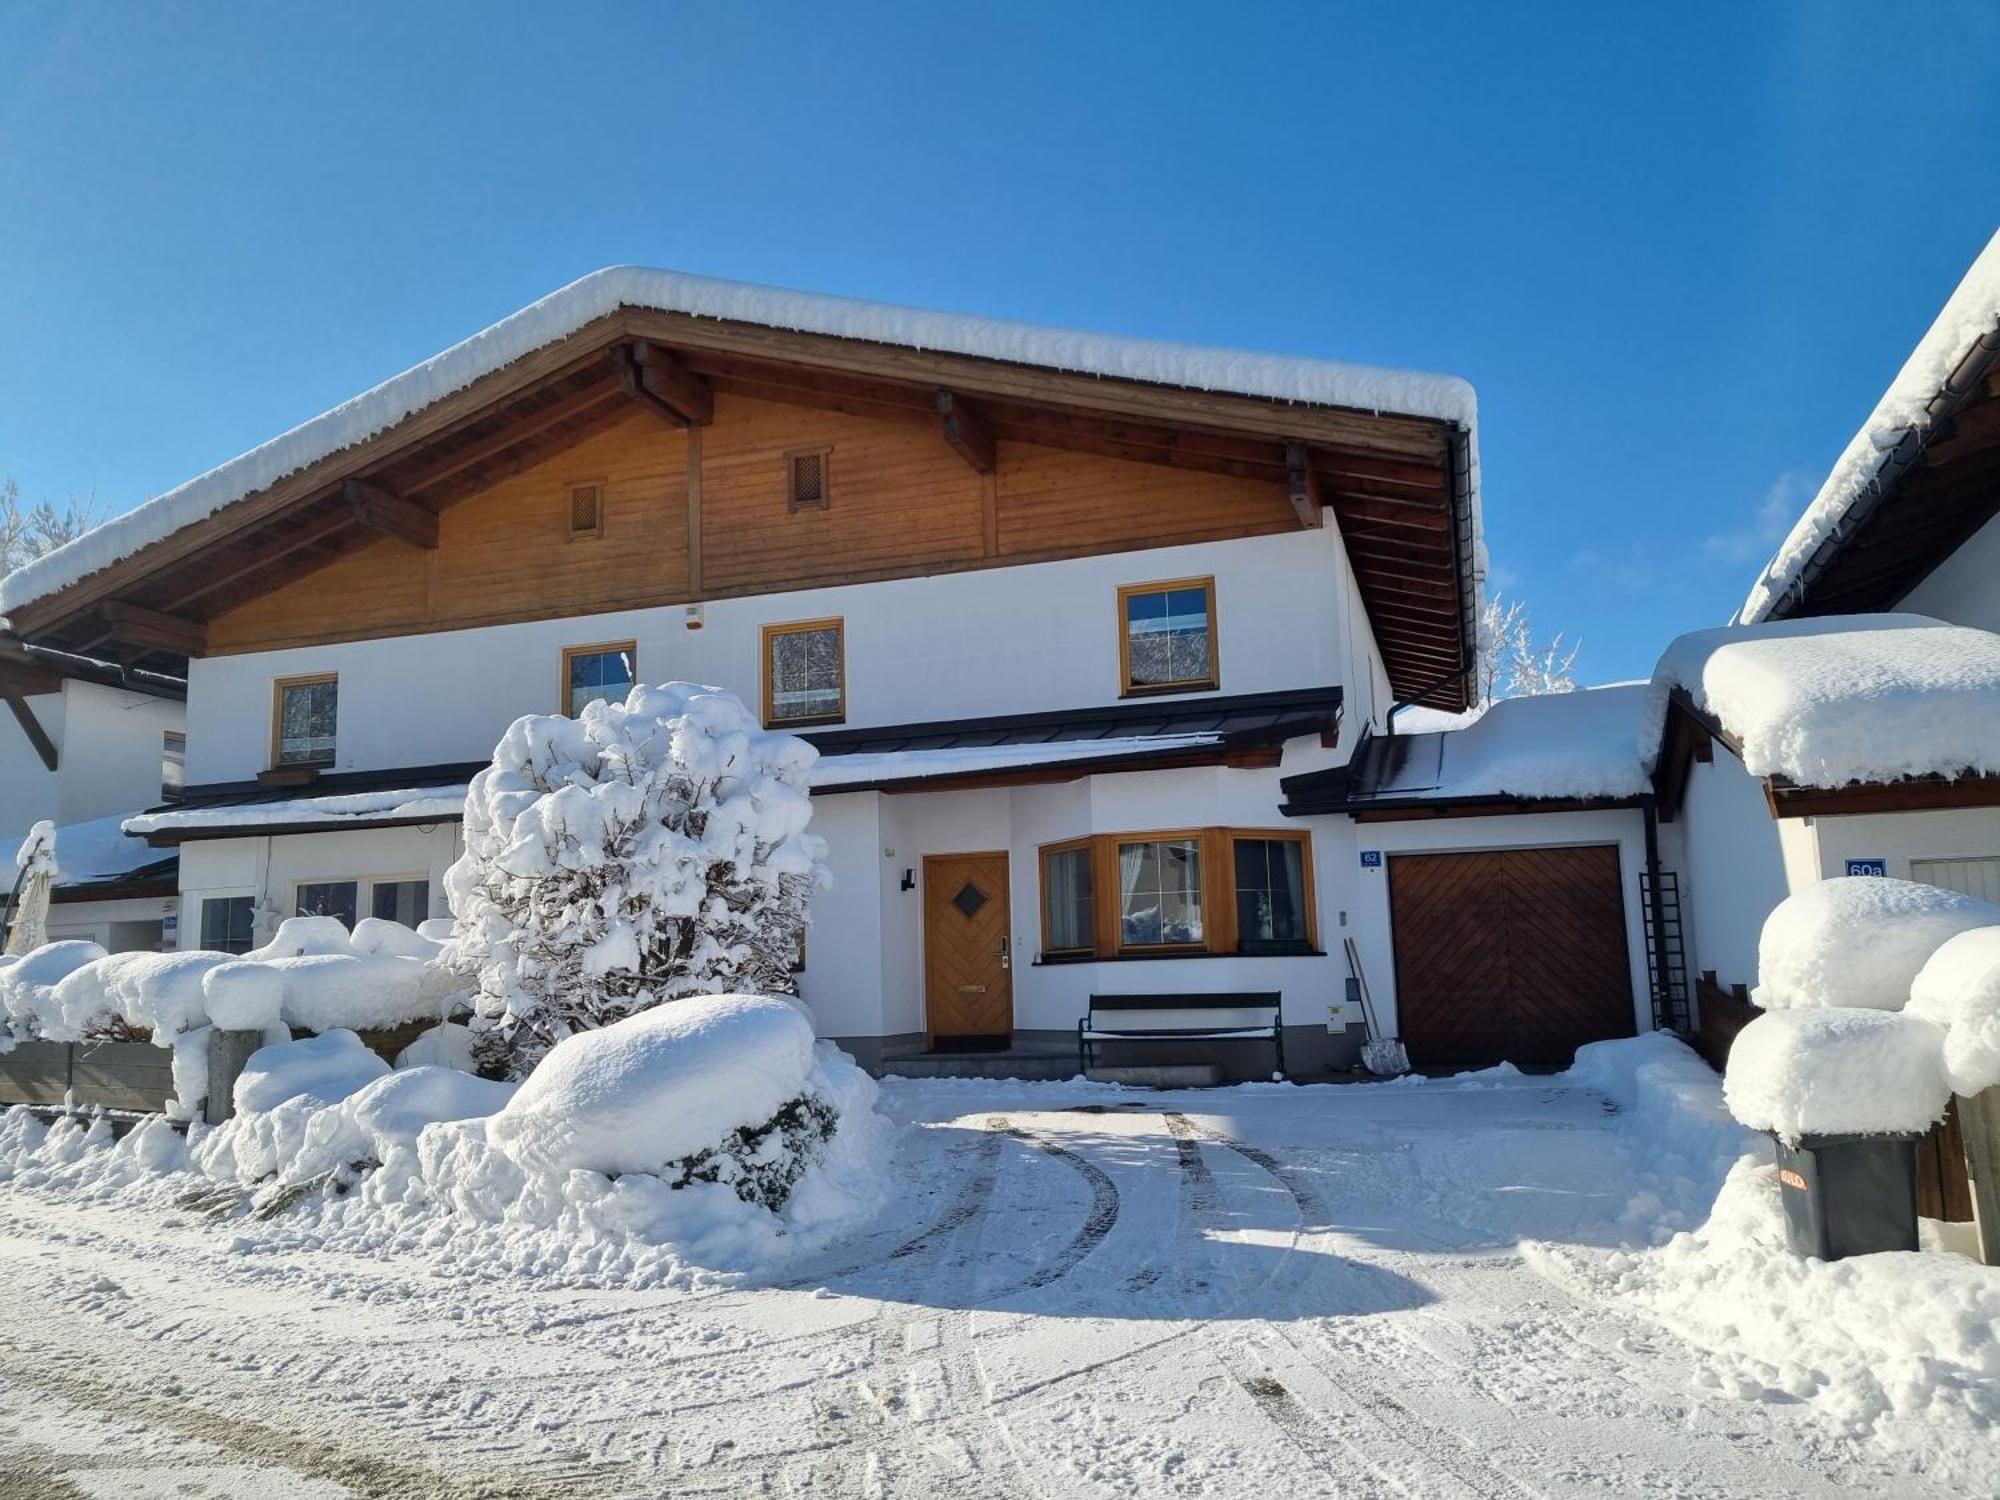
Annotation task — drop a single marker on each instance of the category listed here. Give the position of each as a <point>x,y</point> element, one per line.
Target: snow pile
<point>1837,1072</point>
<point>1826,702</point>
<point>1578,744</point>
<point>1857,941</point>
<point>1900,419</point>
<point>644,851</point>
<point>125,993</point>
<point>298,937</point>
<point>1671,1100</point>
<point>1320,382</point>
<point>28,983</point>
<point>38,849</point>
<point>321,1069</point>
<point>1959,990</point>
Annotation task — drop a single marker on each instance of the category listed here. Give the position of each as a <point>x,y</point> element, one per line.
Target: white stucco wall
<point>29,790</point>
<point>269,868</point>
<point>1898,838</point>
<point>1965,587</point>
<point>108,745</point>
<point>1003,640</point>
<point>128,926</point>
<point>1369,911</point>
<point>1732,869</point>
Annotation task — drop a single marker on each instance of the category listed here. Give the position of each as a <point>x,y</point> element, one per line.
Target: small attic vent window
<point>808,480</point>
<point>586,510</point>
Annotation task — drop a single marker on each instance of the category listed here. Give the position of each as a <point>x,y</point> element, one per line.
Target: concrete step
<point>1160,1076</point>
<point>1029,1066</point>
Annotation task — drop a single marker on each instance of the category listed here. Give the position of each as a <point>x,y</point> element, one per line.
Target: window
<point>591,673</point>
<point>327,898</point>
<point>303,720</point>
<point>1270,894</point>
<point>405,901</point>
<point>1069,910</point>
<point>1186,893</point>
<point>226,923</point>
<point>805,673</point>
<point>586,510</point>
<point>805,474</point>
<point>1159,893</point>
<point>173,765</point>
<point>1166,639</point>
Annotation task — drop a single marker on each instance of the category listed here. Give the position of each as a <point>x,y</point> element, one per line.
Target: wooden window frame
<point>1220,937</point>
<point>824,453</point>
<point>770,633</point>
<point>570,487</point>
<point>569,653</point>
<point>1129,689</point>
<point>278,686</point>
<point>1042,857</point>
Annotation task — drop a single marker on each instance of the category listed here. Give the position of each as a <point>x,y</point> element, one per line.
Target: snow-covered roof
<point>1971,315</point>
<point>1443,398</point>
<point>833,773</point>
<point>96,851</point>
<point>1825,702</point>
<point>1556,747</point>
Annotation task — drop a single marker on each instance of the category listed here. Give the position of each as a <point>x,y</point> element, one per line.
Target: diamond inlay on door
<point>969,899</point>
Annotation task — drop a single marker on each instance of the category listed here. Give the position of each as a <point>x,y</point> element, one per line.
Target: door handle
<point>972,989</point>
<point>1004,960</point>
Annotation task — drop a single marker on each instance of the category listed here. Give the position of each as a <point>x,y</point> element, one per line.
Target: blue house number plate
<point>1868,867</point>
<point>1371,859</point>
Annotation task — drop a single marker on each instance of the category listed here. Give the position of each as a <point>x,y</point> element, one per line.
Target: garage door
<point>1973,877</point>
<point>1514,955</point>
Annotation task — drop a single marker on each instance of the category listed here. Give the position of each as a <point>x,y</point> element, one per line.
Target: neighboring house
<point>86,743</point>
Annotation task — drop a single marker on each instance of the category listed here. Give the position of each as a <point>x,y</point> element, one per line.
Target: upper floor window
<point>805,673</point>
<point>303,720</point>
<point>591,673</point>
<point>173,765</point>
<point>1166,637</point>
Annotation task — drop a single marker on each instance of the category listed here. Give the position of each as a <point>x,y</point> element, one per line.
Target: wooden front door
<point>968,979</point>
<point>1515,955</point>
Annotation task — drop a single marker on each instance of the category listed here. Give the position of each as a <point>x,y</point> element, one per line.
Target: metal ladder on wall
<point>1666,953</point>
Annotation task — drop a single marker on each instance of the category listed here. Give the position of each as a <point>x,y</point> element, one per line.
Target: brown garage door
<point>1515,954</point>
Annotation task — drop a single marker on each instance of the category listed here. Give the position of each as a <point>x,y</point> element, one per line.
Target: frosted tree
<point>1511,662</point>
<point>642,852</point>
<point>27,533</point>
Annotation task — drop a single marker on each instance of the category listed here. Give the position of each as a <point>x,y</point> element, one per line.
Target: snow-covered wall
<point>1965,587</point>
<point>1002,640</point>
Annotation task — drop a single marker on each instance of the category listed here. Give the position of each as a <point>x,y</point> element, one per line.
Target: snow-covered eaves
<point>1947,364</point>
<point>1315,382</point>
<point>1539,754</point>
<point>1842,700</point>
<point>95,860</point>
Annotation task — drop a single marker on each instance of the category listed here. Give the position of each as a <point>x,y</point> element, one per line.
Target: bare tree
<point>28,533</point>
<point>1511,663</point>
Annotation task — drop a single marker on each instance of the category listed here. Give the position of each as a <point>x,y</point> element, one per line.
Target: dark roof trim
<point>32,657</point>
<point>1913,794</point>
<point>136,886</point>
<point>171,838</point>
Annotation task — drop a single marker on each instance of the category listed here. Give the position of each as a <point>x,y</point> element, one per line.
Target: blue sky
<point>1679,250</point>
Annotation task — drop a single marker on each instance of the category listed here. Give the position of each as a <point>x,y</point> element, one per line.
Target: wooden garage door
<point>1515,954</point>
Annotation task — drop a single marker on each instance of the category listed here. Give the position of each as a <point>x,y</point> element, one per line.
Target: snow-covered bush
<point>1959,990</point>
<point>1837,1072</point>
<point>1857,940</point>
<point>27,986</point>
<point>643,852</point>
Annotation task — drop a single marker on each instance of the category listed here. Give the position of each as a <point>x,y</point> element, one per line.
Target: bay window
<point>1183,893</point>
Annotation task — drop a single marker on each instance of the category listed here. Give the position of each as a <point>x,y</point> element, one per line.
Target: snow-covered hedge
<point>1857,941</point>
<point>1837,1072</point>
<point>1959,990</point>
<point>644,851</point>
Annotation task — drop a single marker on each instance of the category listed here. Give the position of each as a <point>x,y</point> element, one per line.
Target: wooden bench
<point>1090,1034</point>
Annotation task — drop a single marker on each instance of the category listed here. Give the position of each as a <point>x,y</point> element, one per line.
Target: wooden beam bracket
<point>967,432</point>
<point>654,376</point>
<point>24,715</point>
<point>135,625</point>
<point>378,508</point>
<point>1302,486</point>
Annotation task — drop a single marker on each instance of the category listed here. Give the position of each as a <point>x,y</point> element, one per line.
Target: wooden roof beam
<point>32,728</point>
<point>380,509</point>
<point>152,629</point>
<point>967,432</point>
<point>1302,487</point>
<point>666,380</point>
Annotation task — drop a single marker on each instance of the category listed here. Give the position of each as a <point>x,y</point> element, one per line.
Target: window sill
<point>1160,690</point>
<point>1055,960</point>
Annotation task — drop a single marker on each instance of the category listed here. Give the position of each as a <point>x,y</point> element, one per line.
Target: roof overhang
<point>1401,487</point>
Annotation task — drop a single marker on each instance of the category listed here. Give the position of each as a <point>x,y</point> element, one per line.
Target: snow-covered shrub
<point>643,852</point>
<point>1959,990</point>
<point>27,986</point>
<point>1857,940</point>
<point>125,993</point>
<point>445,1045</point>
<point>297,937</point>
<point>378,935</point>
<point>324,991</point>
<point>1836,1072</point>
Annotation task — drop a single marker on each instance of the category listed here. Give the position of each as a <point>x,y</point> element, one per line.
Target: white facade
<point>1964,589</point>
<point>959,646</point>
<point>109,744</point>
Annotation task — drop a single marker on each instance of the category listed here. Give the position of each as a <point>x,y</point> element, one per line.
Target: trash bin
<point>1850,1194</point>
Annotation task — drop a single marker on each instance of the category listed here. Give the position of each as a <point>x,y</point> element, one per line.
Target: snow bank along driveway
<point>1078,1291</point>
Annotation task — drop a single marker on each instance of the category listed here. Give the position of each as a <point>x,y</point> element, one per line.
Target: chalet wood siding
<point>900,503</point>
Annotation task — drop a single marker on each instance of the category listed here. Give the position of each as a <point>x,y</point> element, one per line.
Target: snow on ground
<point>1824,702</point>
<point>1076,1290</point>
